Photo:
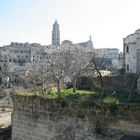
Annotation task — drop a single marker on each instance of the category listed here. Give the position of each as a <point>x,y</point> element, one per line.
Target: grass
<point>123,96</point>
<point>81,95</point>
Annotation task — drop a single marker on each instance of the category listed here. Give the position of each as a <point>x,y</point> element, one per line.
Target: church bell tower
<point>55,34</point>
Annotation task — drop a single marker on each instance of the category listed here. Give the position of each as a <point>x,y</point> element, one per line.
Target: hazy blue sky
<point>107,21</point>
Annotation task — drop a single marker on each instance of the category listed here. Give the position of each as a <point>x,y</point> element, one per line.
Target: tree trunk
<point>42,88</point>
<point>100,79</point>
<point>136,77</point>
<point>74,85</point>
<point>101,97</point>
<point>58,88</point>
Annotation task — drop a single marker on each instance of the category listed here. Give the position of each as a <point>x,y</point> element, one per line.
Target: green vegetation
<point>92,96</point>
<point>112,103</point>
<point>1,125</point>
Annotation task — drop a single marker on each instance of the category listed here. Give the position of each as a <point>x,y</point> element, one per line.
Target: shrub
<point>112,104</point>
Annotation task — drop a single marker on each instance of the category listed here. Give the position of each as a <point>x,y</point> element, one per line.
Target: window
<point>127,67</point>
<point>127,49</point>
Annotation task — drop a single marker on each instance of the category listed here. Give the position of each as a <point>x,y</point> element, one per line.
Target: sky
<point>107,21</point>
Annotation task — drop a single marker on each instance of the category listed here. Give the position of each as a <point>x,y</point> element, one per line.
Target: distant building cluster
<point>18,57</point>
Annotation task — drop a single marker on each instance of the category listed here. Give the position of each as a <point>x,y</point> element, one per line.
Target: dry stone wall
<point>36,118</point>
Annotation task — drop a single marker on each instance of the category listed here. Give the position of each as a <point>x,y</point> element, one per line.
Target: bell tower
<point>55,34</point>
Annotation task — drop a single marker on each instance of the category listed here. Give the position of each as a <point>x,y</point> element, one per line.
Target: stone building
<point>87,46</point>
<point>110,56</point>
<point>121,60</point>
<point>18,58</point>
<point>19,54</point>
<point>131,47</point>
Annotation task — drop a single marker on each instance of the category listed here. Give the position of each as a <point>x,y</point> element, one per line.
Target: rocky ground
<point>5,107</point>
<point>5,117</point>
<point>133,127</point>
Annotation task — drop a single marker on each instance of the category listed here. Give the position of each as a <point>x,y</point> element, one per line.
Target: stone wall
<point>119,83</point>
<point>36,118</point>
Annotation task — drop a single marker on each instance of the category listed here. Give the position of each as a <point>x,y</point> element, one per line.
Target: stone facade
<point>121,61</point>
<point>19,54</point>
<point>132,52</point>
<point>37,118</point>
<point>18,57</point>
<point>86,46</point>
<point>110,56</point>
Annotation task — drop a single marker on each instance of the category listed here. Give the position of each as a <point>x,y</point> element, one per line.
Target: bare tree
<point>68,61</point>
<point>77,62</point>
<point>56,67</point>
<point>65,61</point>
<point>96,68</point>
<point>36,76</point>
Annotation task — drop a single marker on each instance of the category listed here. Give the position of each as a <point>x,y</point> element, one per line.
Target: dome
<point>67,42</point>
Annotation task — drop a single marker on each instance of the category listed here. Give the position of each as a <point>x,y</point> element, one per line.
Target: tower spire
<point>90,38</point>
<point>55,34</point>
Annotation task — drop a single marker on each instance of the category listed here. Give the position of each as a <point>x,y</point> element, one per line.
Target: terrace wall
<point>36,118</point>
